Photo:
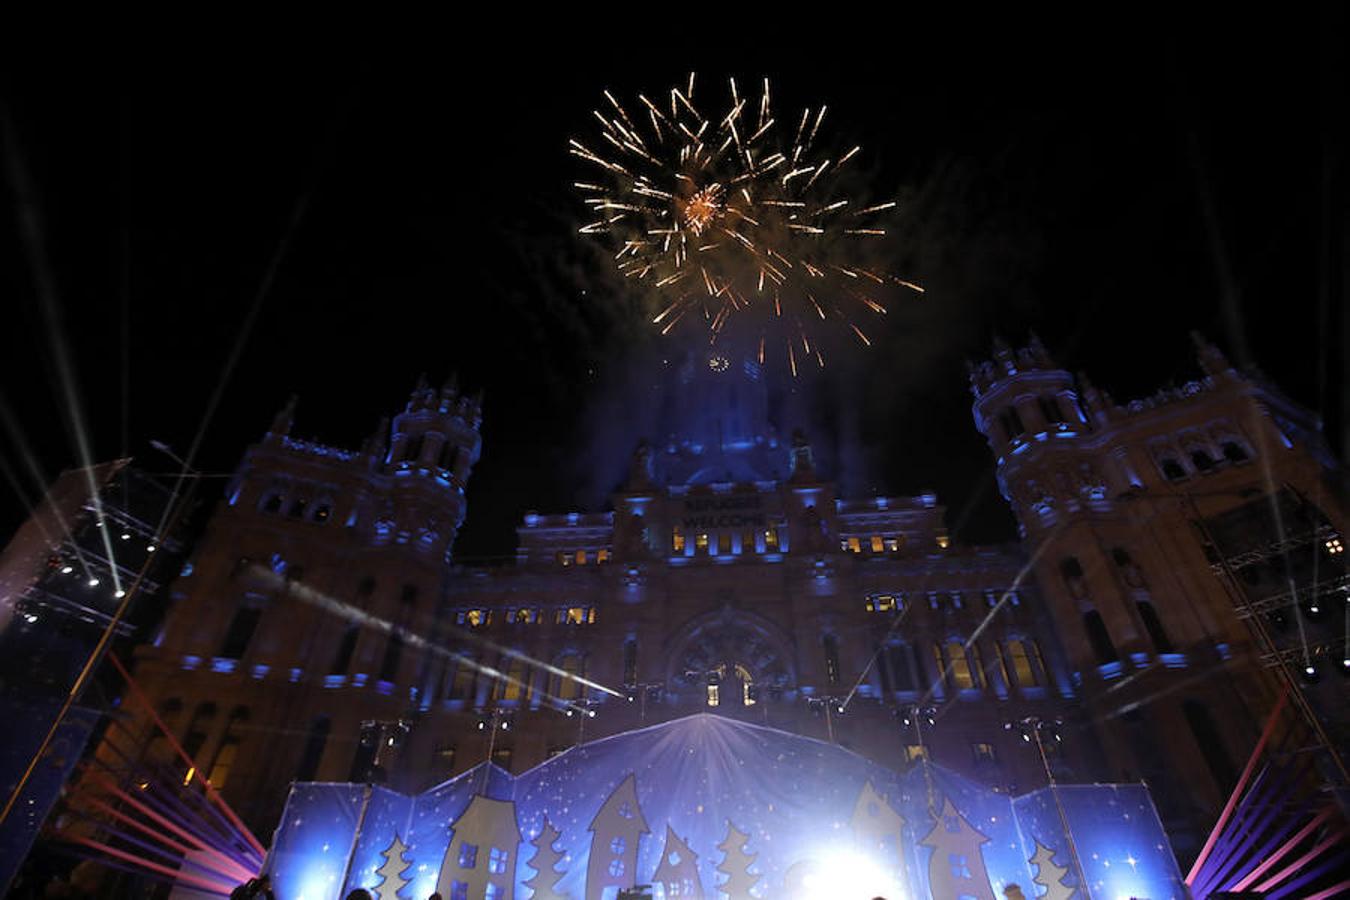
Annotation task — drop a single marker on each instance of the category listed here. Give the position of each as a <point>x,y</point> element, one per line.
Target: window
<point>298,508</point>
<point>1102,647</point>
<point>915,751</point>
<point>616,867</point>
<point>459,890</point>
<point>346,648</point>
<point>195,736</point>
<point>501,757</point>
<point>576,615</point>
<point>1202,460</point>
<point>219,772</point>
<point>1209,742</point>
<point>449,456</point>
<point>960,864</point>
<point>897,671</point>
<point>564,558</point>
<point>413,450</point>
<point>364,588</point>
<point>568,688</point>
<point>883,603</point>
<point>475,618</point>
<point>748,542</point>
<point>893,544</point>
<point>314,746</point>
<point>984,753</point>
<point>461,688</point>
<point>617,846</point>
<point>701,542</point>
<point>493,891</point>
<point>714,694</point>
<point>630,660</point>
<point>515,687</point>
<point>963,676</point>
<point>409,596</point>
<point>322,513</point>
<point>601,556</point>
<point>1171,469</point>
<point>525,616</point>
<point>1153,625</point>
<point>393,655</point>
<point>1234,452</point>
<point>853,545</point>
<point>272,504</point>
<point>831,644</point>
<point>1022,661</point>
<point>1050,410</point>
<point>1012,423</point>
<point>878,544</point>
<point>497,860</point>
<point>468,856</point>
<point>240,632</point>
<point>723,543</point>
<point>771,540</point>
<point>581,557</point>
<point>677,539</point>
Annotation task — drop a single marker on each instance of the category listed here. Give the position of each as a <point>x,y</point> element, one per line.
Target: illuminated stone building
<point>323,631</point>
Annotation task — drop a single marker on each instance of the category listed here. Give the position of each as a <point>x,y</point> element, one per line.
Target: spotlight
<point>482,724</point>
<point>119,594</point>
<point>1026,736</point>
<point>1310,674</point>
<point>506,724</point>
<point>150,548</point>
<point>839,709</point>
<point>92,582</point>
<point>571,712</point>
<point>66,570</point>
<point>590,713</point>
<point>906,721</point>
<point>1345,666</point>
<point>126,535</point>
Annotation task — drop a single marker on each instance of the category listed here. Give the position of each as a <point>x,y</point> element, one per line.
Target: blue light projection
<point>722,806</point>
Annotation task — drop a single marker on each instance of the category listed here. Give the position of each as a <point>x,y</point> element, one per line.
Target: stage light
<point>1345,666</point>
<point>126,535</point>
<point>92,582</point>
<point>150,548</point>
<point>66,570</point>
<point>571,712</point>
<point>119,594</point>
<point>1310,675</point>
<point>591,713</point>
<point>846,874</point>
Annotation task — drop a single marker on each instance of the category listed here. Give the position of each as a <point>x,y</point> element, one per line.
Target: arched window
<point>1099,638</point>
<point>1153,625</point>
<point>1207,738</point>
<point>566,686</point>
<point>314,746</point>
<point>1234,452</point>
<point>461,686</point>
<point>298,506</point>
<point>831,645</point>
<point>897,668</point>
<point>1072,570</point>
<point>323,511</point>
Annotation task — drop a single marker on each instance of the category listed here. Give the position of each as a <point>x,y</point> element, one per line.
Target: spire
<point>1211,358</point>
<point>282,422</point>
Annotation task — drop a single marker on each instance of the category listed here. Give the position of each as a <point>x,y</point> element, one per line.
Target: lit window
<point>677,540</point>
<point>943,541</point>
<point>882,603</point>
<point>515,686</point>
<point>984,753</point>
<point>714,697</point>
<point>893,545</point>
<point>723,543</point>
<point>701,542</point>
<point>468,855</point>
<point>748,542</point>
<point>963,675</point>
<point>497,860</point>
<point>476,618</point>
<point>602,556</point>
<point>1334,546</point>
<point>1020,660</point>
<point>525,616</point>
<point>915,751</point>
<point>770,540</point>
<point>878,544</point>
<point>564,558</point>
<point>581,557</point>
<point>220,769</point>
<point>459,890</point>
<point>854,545</point>
<point>579,615</point>
<point>568,687</point>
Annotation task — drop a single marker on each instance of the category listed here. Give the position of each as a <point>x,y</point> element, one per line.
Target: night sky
<point>1111,184</point>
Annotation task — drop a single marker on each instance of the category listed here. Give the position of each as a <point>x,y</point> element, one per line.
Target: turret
<point>1023,395</point>
<point>437,433</point>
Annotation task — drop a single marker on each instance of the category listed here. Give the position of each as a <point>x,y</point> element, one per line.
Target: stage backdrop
<point>708,807</point>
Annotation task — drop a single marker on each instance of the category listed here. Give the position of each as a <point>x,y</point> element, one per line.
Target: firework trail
<point>735,217</point>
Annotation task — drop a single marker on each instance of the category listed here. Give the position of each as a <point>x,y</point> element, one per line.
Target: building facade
<point>323,631</point>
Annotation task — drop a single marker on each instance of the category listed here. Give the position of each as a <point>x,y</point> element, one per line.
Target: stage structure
<point>707,807</point>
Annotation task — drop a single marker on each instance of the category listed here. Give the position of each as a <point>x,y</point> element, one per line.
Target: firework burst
<point>737,217</point>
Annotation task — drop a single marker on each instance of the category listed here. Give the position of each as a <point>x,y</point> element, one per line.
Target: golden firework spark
<point>732,217</point>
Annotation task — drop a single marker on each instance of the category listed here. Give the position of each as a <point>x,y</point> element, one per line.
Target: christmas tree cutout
<point>1049,875</point>
<point>956,867</point>
<point>678,872</point>
<point>876,826</point>
<point>544,862</point>
<point>735,864</point>
<point>392,871</point>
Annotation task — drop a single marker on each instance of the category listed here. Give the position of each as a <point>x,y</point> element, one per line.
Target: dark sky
<point>1111,184</point>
